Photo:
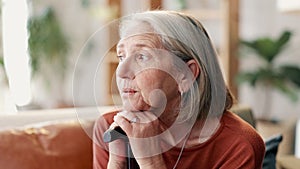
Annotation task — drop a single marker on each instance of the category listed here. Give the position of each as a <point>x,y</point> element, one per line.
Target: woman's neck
<point>200,132</point>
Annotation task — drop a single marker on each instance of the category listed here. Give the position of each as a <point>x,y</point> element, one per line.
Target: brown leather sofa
<point>57,144</point>
<point>54,145</point>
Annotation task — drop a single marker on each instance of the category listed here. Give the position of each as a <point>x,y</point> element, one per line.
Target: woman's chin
<point>131,106</point>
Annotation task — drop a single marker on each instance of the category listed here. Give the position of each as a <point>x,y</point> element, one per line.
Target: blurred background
<point>59,54</point>
<point>58,61</point>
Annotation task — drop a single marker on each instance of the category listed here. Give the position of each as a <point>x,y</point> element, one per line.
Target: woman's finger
<point>139,117</point>
<point>123,122</point>
<point>145,116</point>
<point>131,117</point>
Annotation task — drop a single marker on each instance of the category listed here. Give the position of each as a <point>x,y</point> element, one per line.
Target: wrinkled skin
<point>150,90</point>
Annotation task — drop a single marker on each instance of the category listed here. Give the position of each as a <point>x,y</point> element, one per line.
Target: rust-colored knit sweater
<point>235,145</point>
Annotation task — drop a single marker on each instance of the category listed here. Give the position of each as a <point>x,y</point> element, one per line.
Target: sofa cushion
<point>271,151</point>
<point>59,145</point>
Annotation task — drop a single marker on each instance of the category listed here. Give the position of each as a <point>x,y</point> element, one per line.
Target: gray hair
<point>185,37</point>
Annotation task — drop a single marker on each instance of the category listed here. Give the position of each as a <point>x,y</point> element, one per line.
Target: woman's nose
<point>125,69</point>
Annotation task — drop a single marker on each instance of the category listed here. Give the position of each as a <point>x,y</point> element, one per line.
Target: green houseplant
<point>2,69</point>
<point>47,43</point>
<point>283,77</point>
<point>48,47</point>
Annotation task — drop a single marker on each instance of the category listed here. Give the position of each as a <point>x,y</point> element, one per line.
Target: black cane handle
<point>117,133</point>
<point>114,134</point>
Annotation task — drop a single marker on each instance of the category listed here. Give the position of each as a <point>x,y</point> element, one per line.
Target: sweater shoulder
<point>243,131</point>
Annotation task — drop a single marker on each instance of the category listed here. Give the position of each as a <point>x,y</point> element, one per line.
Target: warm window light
<point>290,6</point>
<point>297,139</point>
<point>14,18</point>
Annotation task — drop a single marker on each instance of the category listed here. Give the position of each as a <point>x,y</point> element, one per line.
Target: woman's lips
<point>129,91</point>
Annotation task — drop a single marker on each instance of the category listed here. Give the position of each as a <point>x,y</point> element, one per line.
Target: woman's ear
<point>194,67</point>
<point>188,79</point>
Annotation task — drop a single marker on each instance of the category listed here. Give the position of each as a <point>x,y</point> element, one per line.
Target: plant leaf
<point>263,75</point>
<point>283,39</point>
<point>291,73</point>
<point>281,86</point>
<point>249,77</point>
<point>264,47</point>
<point>1,62</point>
<point>249,44</point>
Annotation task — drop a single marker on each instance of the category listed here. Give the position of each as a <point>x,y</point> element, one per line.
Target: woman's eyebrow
<point>141,45</point>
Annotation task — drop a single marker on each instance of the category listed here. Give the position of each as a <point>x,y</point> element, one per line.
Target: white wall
<point>81,25</point>
<point>262,18</point>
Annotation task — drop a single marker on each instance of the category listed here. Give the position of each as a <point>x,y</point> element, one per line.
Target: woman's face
<point>145,75</point>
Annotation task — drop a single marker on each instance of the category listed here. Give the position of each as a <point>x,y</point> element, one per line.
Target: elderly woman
<point>175,103</point>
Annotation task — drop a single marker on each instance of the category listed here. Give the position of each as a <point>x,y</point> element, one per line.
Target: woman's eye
<point>120,57</point>
<point>142,57</point>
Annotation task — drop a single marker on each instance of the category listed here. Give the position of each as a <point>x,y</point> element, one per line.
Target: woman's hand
<point>143,129</point>
<point>117,153</point>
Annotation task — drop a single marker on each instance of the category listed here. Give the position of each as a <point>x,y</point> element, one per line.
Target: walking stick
<point>117,133</point>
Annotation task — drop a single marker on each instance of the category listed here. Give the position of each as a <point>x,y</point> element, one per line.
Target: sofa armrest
<point>288,162</point>
<point>245,113</point>
<point>59,145</point>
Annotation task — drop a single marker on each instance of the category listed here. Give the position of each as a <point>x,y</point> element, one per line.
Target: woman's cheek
<point>145,95</point>
<point>154,98</point>
<point>145,88</point>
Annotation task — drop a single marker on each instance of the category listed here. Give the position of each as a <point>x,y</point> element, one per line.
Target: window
<point>14,31</point>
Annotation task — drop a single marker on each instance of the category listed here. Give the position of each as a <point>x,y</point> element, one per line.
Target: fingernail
<point>115,117</point>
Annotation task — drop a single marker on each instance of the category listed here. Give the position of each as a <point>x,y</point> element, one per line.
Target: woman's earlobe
<point>186,83</point>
